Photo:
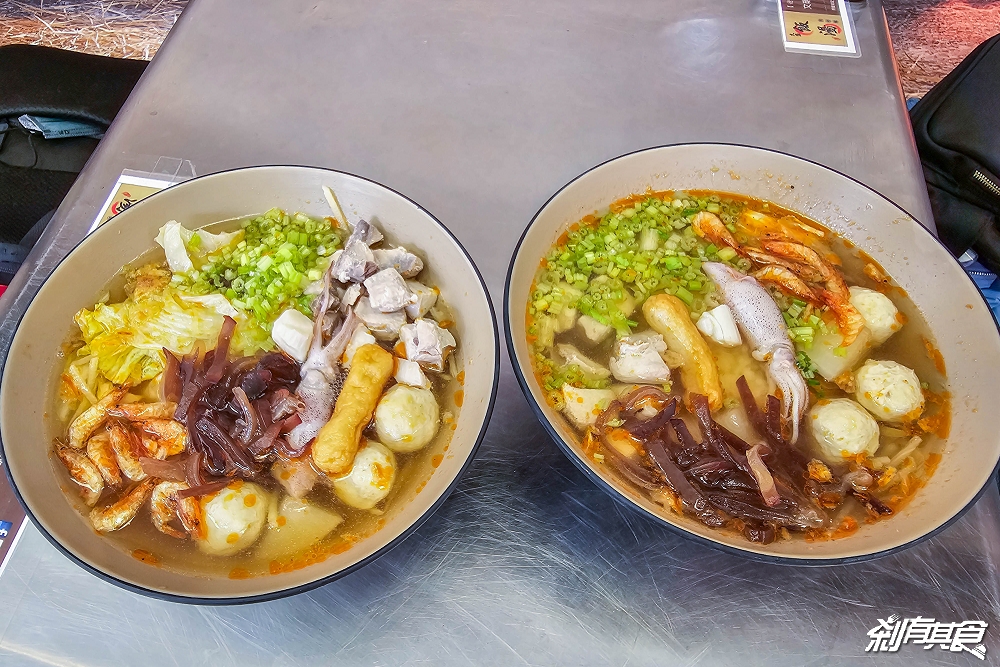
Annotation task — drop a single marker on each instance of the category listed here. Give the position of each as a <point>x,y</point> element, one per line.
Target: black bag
<point>36,173</point>
<point>957,129</point>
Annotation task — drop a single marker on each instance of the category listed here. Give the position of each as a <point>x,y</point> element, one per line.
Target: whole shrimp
<point>165,506</point>
<point>760,320</point>
<point>119,513</point>
<point>836,295</point>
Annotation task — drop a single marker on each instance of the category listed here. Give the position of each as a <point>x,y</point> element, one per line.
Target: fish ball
<point>233,518</point>
<point>843,429</point>
<point>370,479</point>
<point>889,390</point>
<point>878,311</point>
<point>406,418</point>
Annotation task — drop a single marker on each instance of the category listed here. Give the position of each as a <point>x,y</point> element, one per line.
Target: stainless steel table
<point>480,111</point>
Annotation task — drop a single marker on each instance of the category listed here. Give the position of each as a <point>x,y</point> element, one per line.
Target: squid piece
<point>321,373</point>
<point>669,317</point>
<point>120,513</point>
<point>337,442</point>
<point>82,471</point>
<point>762,325</point>
<point>92,418</point>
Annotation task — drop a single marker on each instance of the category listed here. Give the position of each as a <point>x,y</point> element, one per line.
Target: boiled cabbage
<point>127,338</point>
<point>184,247</point>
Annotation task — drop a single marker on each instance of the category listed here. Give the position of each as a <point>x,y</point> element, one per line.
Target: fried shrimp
<point>836,296</point>
<point>785,279</point>
<point>165,507</point>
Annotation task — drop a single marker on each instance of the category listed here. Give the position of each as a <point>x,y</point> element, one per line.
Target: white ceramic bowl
<point>32,366</point>
<point>948,299</point>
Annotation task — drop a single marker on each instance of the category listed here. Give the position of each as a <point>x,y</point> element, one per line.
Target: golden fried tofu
<point>337,442</point>
<point>669,317</point>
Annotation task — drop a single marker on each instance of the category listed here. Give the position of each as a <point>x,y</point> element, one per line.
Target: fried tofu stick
<point>668,316</point>
<point>337,442</point>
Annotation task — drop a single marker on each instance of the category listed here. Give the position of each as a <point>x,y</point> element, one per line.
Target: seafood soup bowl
<point>949,301</point>
<point>27,398</point>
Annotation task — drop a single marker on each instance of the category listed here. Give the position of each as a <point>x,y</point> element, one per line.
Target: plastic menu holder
<point>134,185</point>
<point>819,27</point>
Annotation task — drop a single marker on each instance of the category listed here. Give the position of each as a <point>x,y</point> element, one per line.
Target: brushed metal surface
<point>479,111</point>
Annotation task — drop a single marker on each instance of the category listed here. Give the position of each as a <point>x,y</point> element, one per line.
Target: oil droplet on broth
<point>147,557</point>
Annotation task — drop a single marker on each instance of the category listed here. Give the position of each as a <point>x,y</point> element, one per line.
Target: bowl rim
<point>620,498</point>
<point>301,588</point>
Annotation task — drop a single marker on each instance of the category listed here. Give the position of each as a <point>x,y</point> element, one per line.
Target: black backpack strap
<point>65,84</point>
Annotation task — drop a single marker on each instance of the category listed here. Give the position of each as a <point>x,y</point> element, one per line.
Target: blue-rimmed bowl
<point>949,301</point>
<point>29,377</point>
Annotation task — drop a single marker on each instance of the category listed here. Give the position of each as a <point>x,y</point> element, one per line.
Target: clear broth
<point>908,346</point>
<point>144,542</point>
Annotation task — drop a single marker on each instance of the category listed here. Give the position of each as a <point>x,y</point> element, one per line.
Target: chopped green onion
<point>277,258</point>
<point>726,254</point>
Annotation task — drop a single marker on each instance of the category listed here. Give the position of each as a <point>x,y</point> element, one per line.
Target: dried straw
<point>931,37</point>
<point>103,27</point>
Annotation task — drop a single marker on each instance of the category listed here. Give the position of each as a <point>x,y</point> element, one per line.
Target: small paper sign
<point>128,190</point>
<point>817,26</point>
